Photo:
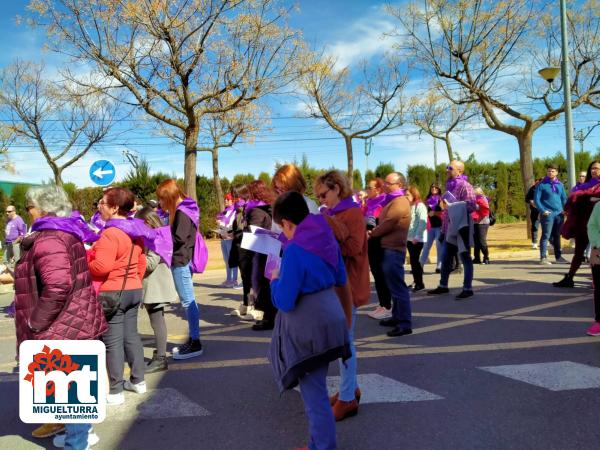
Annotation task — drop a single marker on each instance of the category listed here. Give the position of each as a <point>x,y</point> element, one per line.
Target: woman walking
<point>225,221</point>
<point>417,233</point>
<point>481,220</point>
<point>184,218</point>
<point>158,291</point>
<point>118,261</point>
<point>434,213</point>
<point>54,297</point>
<point>333,191</point>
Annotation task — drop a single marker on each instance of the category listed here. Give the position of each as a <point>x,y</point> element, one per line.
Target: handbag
<point>110,300</point>
<point>595,256</point>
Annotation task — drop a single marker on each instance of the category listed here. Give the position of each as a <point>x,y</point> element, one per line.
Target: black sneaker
<point>438,270</point>
<point>399,332</point>
<point>566,282</point>
<point>157,364</point>
<point>418,287</point>
<point>438,290</point>
<point>390,322</point>
<point>191,349</point>
<point>263,325</point>
<point>464,294</point>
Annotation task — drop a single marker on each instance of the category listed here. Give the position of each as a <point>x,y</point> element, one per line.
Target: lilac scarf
<point>97,221</point>
<point>393,195</point>
<point>74,225</point>
<point>253,204</point>
<point>314,235</point>
<point>190,208</point>
<point>589,184</point>
<point>227,215</point>
<point>343,205</point>
<point>372,205</point>
<point>452,183</point>
<point>553,183</point>
<point>433,200</point>
<point>159,240</point>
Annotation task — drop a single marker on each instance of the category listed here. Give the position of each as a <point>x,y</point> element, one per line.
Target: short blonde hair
<point>332,179</point>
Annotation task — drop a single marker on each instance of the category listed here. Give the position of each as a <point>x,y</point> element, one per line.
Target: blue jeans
<point>182,276</point>
<point>433,235</point>
<point>321,423</point>
<point>449,251</point>
<point>550,232</point>
<point>348,368</point>
<point>232,272</point>
<point>77,436</point>
<point>393,268</point>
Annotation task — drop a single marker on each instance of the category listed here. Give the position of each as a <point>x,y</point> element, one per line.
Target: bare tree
<point>354,110</point>
<point>7,138</point>
<point>179,59</point>
<point>63,124</point>
<point>438,117</point>
<point>485,51</point>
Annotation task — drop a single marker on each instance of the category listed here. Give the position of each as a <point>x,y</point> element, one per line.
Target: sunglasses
<point>9,211</point>
<point>322,195</point>
<point>449,168</point>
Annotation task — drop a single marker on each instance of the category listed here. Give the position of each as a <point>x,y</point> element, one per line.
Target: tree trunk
<point>449,148</point>
<point>189,166</point>
<point>348,141</point>
<point>526,163</point>
<point>216,178</point>
<point>57,171</point>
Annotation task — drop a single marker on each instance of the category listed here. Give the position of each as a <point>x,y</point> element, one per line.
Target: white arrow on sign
<point>100,173</point>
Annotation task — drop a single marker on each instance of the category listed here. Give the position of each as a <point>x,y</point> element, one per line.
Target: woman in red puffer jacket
<point>54,298</point>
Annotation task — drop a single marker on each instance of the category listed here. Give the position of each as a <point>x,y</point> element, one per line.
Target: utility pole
<point>567,93</point>
<point>132,158</point>
<point>435,161</point>
<point>581,135</point>
<point>368,149</point>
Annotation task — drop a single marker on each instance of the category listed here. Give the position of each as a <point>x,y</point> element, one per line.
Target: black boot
<point>566,282</point>
<point>157,364</point>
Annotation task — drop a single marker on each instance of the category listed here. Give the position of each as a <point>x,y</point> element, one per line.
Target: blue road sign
<point>102,172</point>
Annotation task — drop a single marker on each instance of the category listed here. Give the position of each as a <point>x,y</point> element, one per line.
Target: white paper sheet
<point>261,243</point>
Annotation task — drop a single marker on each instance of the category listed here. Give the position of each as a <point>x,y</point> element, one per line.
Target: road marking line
<point>550,319</point>
<point>514,312</point>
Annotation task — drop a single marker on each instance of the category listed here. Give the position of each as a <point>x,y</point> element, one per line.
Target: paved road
<point>509,368</point>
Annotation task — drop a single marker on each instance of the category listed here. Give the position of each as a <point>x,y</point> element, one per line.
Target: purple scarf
<point>552,184</point>
<point>393,195</point>
<point>253,204</point>
<point>452,183</point>
<point>372,205</point>
<point>433,200</point>
<point>314,235</point>
<point>589,184</point>
<point>343,205</point>
<point>163,215</point>
<point>97,221</point>
<point>227,215</point>
<point>74,225</point>
<point>159,240</point>
<point>190,208</point>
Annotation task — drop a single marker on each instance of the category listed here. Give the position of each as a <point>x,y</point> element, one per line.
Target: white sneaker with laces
<point>534,246</point>
<point>59,441</point>
<point>373,314</point>
<point>545,262</point>
<point>138,388</point>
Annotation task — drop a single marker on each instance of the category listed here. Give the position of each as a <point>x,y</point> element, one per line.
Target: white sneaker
<point>373,314</point>
<point>534,246</point>
<point>381,313</point>
<point>59,441</point>
<point>115,399</point>
<point>255,313</point>
<point>545,262</point>
<point>237,286</point>
<point>138,388</point>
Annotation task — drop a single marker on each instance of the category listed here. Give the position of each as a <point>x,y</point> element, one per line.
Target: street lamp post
<point>549,74</point>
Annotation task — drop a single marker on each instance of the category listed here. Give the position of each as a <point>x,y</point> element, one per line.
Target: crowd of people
<point>86,280</point>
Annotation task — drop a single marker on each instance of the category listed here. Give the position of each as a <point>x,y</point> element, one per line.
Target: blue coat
<point>548,200</point>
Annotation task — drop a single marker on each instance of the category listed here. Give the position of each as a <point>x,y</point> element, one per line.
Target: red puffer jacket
<point>54,295</point>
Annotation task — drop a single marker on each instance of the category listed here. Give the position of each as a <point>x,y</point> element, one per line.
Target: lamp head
<point>549,73</point>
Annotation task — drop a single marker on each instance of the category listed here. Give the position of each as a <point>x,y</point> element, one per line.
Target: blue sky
<point>350,29</point>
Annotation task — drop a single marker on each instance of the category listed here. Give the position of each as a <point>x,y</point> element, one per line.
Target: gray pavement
<point>509,368</point>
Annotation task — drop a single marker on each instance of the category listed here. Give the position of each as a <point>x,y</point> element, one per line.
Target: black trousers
<point>581,243</point>
<point>414,253</point>
<point>376,264</point>
<point>480,237</point>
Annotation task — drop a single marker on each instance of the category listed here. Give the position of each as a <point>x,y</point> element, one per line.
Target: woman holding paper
<point>257,213</point>
<point>346,219</point>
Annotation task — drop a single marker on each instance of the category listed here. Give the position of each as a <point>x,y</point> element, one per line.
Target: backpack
<point>200,256</point>
<point>492,218</point>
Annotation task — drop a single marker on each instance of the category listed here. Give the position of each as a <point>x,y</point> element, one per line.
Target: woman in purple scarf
<point>225,221</point>
<point>184,218</point>
<point>434,212</point>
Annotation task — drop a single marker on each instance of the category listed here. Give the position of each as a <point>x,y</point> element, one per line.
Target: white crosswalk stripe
<point>554,376</point>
